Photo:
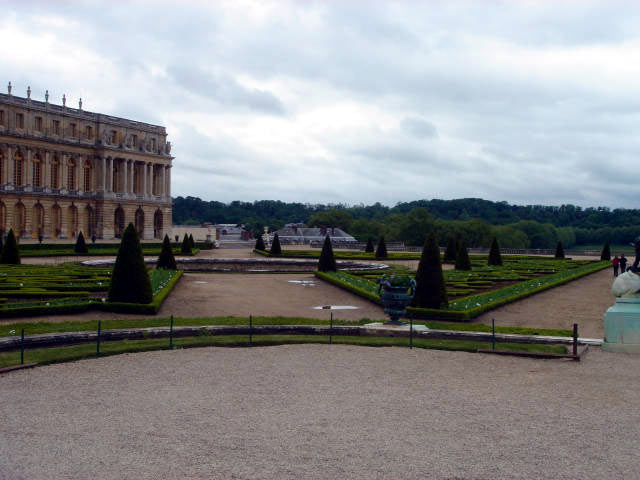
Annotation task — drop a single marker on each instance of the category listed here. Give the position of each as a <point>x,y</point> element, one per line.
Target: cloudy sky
<point>356,101</point>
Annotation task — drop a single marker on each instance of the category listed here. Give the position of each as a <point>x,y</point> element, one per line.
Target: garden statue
<point>398,293</point>
<point>622,320</point>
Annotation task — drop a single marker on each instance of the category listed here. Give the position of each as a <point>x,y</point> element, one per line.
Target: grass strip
<point>45,356</point>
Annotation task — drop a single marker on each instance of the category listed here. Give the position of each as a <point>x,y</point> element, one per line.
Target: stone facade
<point>65,170</point>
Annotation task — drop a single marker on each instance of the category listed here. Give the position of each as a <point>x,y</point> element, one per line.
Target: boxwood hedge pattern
<point>485,287</point>
<point>28,290</point>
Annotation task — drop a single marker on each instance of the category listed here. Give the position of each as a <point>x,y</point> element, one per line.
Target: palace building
<point>65,170</point>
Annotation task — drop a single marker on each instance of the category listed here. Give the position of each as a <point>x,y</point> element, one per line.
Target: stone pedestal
<point>622,326</point>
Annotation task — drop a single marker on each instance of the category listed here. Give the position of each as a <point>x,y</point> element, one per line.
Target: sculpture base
<point>622,326</point>
<point>401,327</point>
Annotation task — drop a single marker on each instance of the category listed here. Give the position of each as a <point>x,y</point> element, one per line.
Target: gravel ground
<point>319,411</point>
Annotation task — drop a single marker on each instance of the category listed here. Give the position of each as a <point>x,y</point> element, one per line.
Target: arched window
<point>73,221</point>
<point>71,175</point>
<point>118,222</point>
<point>37,220</point>
<point>17,169</point>
<point>19,219</point>
<point>157,224</point>
<point>115,183</point>
<point>140,222</point>
<point>56,221</point>
<point>55,172</point>
<point>87,176</point>
<point>37,171</point>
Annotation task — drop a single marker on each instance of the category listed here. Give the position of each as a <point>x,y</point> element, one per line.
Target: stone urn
<point>396,293</point>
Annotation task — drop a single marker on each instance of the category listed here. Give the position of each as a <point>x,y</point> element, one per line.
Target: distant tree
<point>260,243</point>
<point>327,262</point>
<point>332,218</point>
<point>559,251</point>
<point>430,289</point>
<point>191,241</point>
<point>606,252</point>
<point>369,248</point>
<point>130,280</point>
<point>494,253</point>
<point>381,251</point>
<point>451,251</point>
<point>186,245</point>
<point>10,253</point>
<point>166,258</point>
<point>276,249</point>
<point>462,258</point>
<point>81,245</point>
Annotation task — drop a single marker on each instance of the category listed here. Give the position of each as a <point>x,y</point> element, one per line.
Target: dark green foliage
<point>451,251</point>
<point>191,241</point>
<point>81,245</point>
<point>130,281</point>
<point>430,289</point>
<point>1,242</point>
<point>10,253</point>
<point>275,246</point>
<point>494,253</point>
<point>369,248</point>
<point>559,251</point>
<point>166,258</point>
<point>260,243</point>
<point>606,252</point>
<point>327,262</point>
<point>462,258</point>
<point>186,245</point>
<point>381,252</point>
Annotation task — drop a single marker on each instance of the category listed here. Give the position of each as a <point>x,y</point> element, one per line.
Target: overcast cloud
<point>532,102</point>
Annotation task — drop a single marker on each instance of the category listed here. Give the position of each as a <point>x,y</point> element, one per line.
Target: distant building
<point>298,233</point>
<point>201,233</point>
<point>228,232</point>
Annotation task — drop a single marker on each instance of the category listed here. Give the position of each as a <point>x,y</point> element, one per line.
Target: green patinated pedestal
<point>622,326</point>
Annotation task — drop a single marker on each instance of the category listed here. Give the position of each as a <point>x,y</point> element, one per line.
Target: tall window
<point>88,132</point>
<point>17,169</point>
<point>55,173</point>
<point>1,117</point>
<point>19,120</point>
<point>87,176</point>
<point>113,137</point>
<point>37,171</point>
<point>153,144</point>
<point>37,124</point>
<point>55,125</point>
<point>71,175</point>
<point>134,140</point>
<point>72,129</point>
<point>1,170</point>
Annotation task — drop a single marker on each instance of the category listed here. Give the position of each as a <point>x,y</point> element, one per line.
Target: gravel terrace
<point>322,412</point>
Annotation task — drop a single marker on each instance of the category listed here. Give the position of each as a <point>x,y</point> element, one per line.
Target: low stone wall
<point>251,265</point>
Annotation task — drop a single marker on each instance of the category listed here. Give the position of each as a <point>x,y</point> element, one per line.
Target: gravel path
<point>319,411</point>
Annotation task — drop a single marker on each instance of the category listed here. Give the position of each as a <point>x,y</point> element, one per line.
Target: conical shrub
<point>369,248</point>
<point>260,243</point>
<point>191,241</point>
<point>381,251</point>
<point>327,262</point>
<point>430,288</point>
<point>462,258</point>
<point>185,248</point>
<point>81,245</point>
<point>559,251</point>
<point>494,253</point>
<point>10,253</point>
<point>606,252</point>
<point>166,258</point>
<point>451,251</point>
<point>276,249</point>
<point>130,280</point>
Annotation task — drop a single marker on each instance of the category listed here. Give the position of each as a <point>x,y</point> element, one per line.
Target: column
<point>9,165</point>
<point>168,181</point>
<point>144,180</point>
<point>64,175</point>
<point>103,169</point>
<point>110,179</point>
<point>124,176</point>
<point>46,182</point>
<point>163,184</point>
<point>132,167</point>
<point>27,174</point>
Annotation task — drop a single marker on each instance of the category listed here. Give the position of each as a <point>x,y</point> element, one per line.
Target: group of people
<point>620,263</point>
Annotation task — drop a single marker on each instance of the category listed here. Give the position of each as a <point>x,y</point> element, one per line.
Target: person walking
<point>615,262</point>
<point>636,245</point>
<point>623,263</point>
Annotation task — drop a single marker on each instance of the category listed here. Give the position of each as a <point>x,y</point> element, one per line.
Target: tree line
<point>475,220</point>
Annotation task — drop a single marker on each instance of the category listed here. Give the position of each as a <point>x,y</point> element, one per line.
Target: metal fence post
<point>410,332</point>
<point>331,329</point>
<point>493,333</point>
<point>575,339</point>
<point>98,340</point>
<point>22,347</point>
<point>171,334</point>
<point>250,330</point>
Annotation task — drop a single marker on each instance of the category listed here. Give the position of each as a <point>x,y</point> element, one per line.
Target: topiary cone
<point>327,262</point>
<point>81,245</point>
<point>186,246</point>
<point>166,258</point>
<point>381,251</point>
<point>130,280</point>
<point>10,253</point>
<point>276,249</point>
<point>462,259</point>
<point>260,243</point>
<point>494,253</point>
<point>430,287</point>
